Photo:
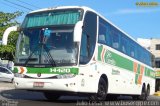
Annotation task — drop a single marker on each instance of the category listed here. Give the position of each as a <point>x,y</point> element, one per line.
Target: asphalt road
<point>11,97</point>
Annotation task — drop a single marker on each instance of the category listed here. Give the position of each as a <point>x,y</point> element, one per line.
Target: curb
<point>6,88</point>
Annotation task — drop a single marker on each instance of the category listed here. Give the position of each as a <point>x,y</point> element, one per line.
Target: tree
<point>7,20</point>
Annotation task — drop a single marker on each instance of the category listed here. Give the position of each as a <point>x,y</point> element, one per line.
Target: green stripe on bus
<point>139,69</point>
<point>56,70</point>
<point>111,58</point>
<point>149,72</point>
<point>99,53</point>
<point>15,70</point>
<point>122,62</point>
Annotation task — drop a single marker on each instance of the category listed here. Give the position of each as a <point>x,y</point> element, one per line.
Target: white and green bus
<point>73,49</point>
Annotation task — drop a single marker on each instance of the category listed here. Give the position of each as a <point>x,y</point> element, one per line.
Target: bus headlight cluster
<point>65,76</point>
<point>19,75</point>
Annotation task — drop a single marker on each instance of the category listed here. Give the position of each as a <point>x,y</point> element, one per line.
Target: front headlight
<point>64,76</point>
<point>19,75</point>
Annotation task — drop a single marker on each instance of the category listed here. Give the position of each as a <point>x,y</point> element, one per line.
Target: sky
<point>137,21</point>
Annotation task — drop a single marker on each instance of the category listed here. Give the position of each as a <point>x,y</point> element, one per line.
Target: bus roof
<point>87,9</point>
<point>62,7</point>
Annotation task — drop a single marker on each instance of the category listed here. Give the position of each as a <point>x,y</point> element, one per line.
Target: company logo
<point>115,72</point>
<point>39,74</point>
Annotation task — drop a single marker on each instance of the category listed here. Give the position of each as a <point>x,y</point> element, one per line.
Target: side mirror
<point>7,32</point>
<point>78,31</point>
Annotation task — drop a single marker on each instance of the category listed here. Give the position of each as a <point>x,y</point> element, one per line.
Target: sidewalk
<point>157,93</point>
<point>6,86</point>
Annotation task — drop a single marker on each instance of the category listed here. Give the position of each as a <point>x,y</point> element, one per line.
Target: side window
<point>84,50</point>
<point>6,71</point>
<point>132,50</point>
<point>115,39</point>
<point>102,34</point>
<point>3,70</point>
<point>150,58</point>
<point>124,45</point>
<point>104,30</point>
<point>88,40</point>
<point>108,38</point>
<point>140,56</point>
<point>146,59</point>
<point>143,56</point>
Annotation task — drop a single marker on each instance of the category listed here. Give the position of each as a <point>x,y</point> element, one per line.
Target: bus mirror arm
<point>7,32</point>
<point>78,31</point>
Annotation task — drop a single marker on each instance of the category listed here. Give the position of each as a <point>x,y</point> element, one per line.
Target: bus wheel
<point>143,95</point>
<point>148,91</point>
<point>102,91</point>
<point>135,97</point>
<point>112,97</point>
<point>51,96</point>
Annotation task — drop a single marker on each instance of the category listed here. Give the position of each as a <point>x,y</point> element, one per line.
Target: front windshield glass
<point>46,47</point>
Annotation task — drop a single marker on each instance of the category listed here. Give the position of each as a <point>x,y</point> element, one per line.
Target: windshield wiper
<point>30,55</point>
<point>49,55</point>
<point>41,45</point>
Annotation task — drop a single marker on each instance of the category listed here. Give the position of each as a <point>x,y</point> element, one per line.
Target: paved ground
<point>11,97</point>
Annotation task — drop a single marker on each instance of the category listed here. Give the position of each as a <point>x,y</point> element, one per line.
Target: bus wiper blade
<point>30,55</point>
<point>50,57</point>
<point>47,51</point>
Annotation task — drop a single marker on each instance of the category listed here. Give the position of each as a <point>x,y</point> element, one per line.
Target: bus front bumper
<point>70,84</point>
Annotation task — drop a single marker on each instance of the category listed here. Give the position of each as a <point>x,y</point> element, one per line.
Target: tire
<point>148,91</point>
<point>111,97</point>
<point>51,96</point>
<point>102,91</point>
<point>135,97</point>
<point>143,95</point>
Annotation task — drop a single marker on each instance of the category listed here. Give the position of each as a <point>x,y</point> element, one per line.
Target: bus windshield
<point>46,47</point>
<point>56,17</point>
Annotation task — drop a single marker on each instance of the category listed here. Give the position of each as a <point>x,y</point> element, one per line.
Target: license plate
<point>38,84</point>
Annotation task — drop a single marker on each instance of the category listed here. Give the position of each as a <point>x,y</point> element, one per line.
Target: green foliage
<point>8,20</point>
